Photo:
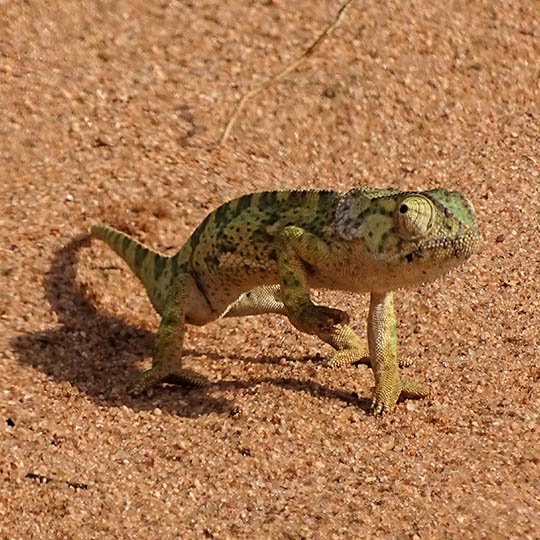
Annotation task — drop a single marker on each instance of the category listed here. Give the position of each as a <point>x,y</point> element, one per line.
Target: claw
<point>385,399</point>
<point>404,362</point>
<point>379,408</point>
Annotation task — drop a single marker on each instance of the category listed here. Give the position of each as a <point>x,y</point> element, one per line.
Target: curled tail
<point>149,266</point>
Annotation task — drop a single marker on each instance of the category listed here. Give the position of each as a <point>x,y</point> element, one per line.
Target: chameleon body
<point>263,252</point>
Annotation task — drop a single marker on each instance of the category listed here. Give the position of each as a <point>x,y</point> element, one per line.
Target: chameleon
<point>264,252</point>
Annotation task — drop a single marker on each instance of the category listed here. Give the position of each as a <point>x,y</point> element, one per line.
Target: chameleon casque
<point>263,252</point>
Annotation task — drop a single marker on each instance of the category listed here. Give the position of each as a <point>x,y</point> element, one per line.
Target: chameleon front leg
<point>295,247</point>
<point>167,355</point>
<point>382,342</point>
<point>267,299</point>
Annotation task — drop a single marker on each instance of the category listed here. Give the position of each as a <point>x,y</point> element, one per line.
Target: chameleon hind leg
<point>295,247</point>
<point>167,355</point>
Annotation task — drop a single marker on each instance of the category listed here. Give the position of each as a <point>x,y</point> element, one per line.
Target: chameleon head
<point>410,237</point>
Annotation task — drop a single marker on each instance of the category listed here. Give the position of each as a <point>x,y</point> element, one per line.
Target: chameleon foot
<point>386,396</point>
<point>152,377</point>
<point>414,390</point>
<point>347,357</point>
<point>313,319</point>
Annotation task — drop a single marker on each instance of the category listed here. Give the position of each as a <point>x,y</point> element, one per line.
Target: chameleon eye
<point>414,217</point>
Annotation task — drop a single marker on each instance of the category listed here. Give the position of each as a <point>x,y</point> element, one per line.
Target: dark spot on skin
<point>370,234</point>
<point>296,197</point>
<point>310,269</point>
<point>269,219</point>
<point>243,204</point>
<point>194,238</point>
<point>125,243</point>
<point>174,265</point>
<point>289,280</point>
<point>262,237</point>
<point>159,266</point>
<point>221,214</point>
<point>384,236</point>
<point>211,260</point>
<point>227,246</point>
<point>140,255</point>
<point>267,199</point>
<point>170,319</point>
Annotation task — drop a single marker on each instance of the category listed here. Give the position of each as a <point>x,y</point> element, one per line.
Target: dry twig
<point>287,69</point>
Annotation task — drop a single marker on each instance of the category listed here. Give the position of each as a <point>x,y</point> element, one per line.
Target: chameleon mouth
<point>459,249</point>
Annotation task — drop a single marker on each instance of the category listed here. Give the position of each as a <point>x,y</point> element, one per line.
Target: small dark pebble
<point>235,412</point>
<point>45,480</point>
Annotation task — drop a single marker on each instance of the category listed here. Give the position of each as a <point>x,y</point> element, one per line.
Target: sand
<point>110,113</point>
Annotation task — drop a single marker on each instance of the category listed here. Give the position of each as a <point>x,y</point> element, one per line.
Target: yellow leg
<point>382,342</point>
<point>295,248</point>
<point>167,356</point>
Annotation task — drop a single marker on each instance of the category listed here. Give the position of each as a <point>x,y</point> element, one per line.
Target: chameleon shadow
<point>94,352</point>
<point>309,387</point>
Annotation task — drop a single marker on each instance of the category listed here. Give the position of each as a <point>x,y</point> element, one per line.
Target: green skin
<point>263,252</point>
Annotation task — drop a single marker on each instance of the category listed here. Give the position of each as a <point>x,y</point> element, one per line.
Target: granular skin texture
<point>263,252</point>
<point>111,114</point>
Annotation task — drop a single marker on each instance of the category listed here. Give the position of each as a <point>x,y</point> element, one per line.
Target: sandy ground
<point>110,112</point>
